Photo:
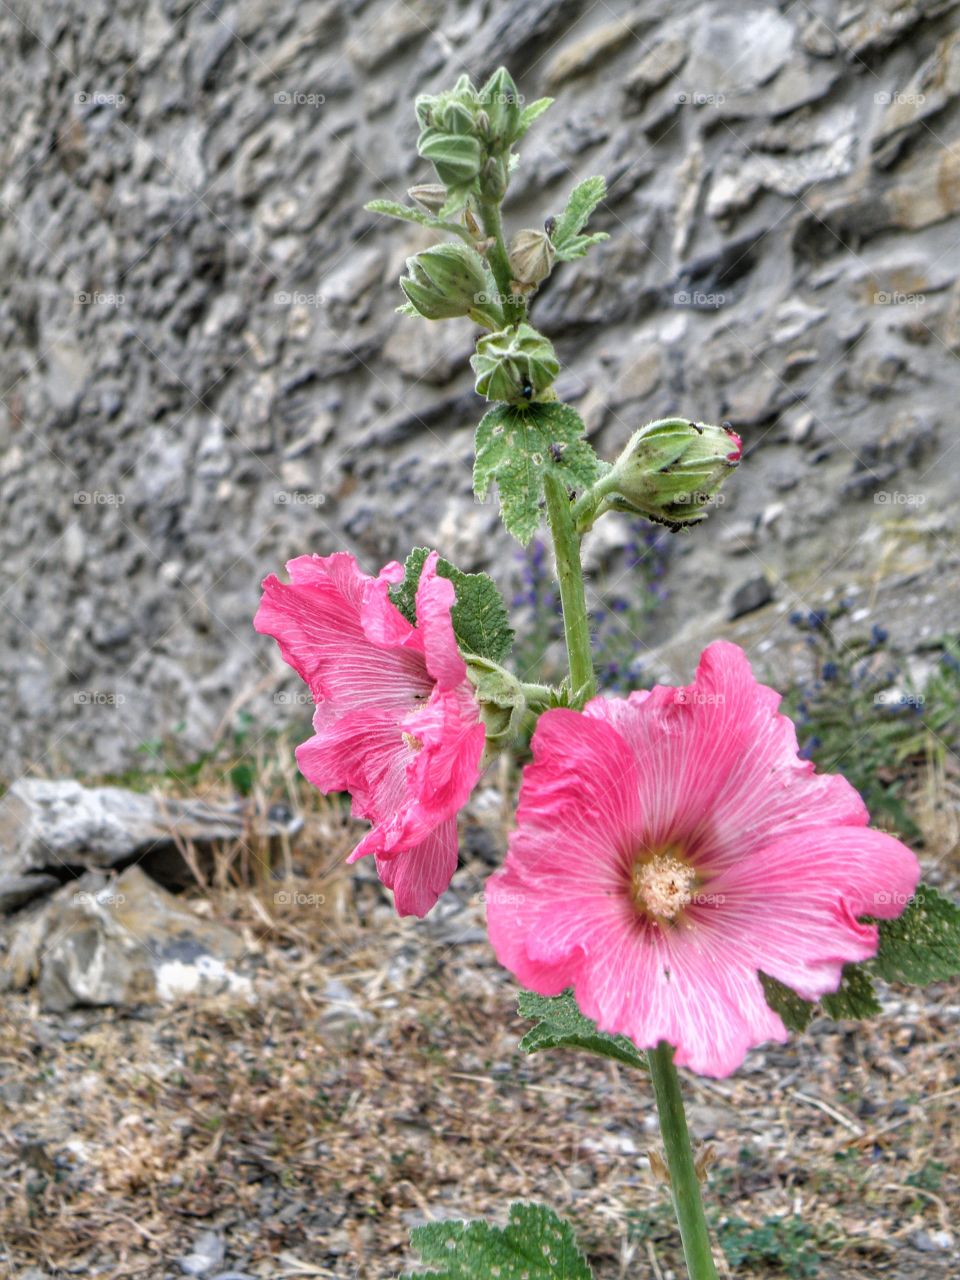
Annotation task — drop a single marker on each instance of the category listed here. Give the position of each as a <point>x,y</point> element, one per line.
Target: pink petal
<point>317,621</point>
<point>435,598</point>
<point>419,875</point>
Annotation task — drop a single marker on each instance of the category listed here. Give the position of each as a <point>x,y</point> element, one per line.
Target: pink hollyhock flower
<point>396,721</point>
<point>671,845</point>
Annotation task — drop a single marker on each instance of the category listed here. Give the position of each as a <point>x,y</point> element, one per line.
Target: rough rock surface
<point>202,373</point>
<point>61,827</point>
<point>122,942</point>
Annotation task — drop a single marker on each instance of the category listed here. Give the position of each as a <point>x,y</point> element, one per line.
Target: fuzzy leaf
<point>855,998</point>
<point>479,616</point>
<point>561,1025</point>
<point>923,944</point>
<point>517,445</point>
<point>583,199</point>
<point>536,1244</point>
<point>793,1009</point>
<point>578,246</point>
<point>407,213</point>
<point>531,113</point>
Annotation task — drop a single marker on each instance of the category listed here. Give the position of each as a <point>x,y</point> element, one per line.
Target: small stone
<point>929,90</point>
<point>734,51</point>
<point>752,595</point>
<point>207,1253</point>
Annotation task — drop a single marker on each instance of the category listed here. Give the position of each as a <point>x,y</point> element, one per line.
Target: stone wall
<point>202,372</point>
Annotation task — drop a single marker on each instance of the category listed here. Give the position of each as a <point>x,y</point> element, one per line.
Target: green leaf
<point>517,445</point>
<point>578,246</point>
<point>793,1009</point>
<point>566,232</point>
<point>406,213</point>
<point>855,998</point>
<point>923,944</point>
<point>479,617</point>
<point>536,1244</point>
<point>561,1025</point>
<point>531,113</point>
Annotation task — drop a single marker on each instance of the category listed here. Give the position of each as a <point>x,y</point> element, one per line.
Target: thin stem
<point>499,260</point>
<point>576,624</point>
<point>684,1183</point>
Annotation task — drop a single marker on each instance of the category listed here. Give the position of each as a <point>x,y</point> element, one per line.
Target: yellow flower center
<point>412,743</point>
<point>662,886</point>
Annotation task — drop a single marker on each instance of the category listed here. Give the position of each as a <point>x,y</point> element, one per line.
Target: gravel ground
<point>376,1084</point>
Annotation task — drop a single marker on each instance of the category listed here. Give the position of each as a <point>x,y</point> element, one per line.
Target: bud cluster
<point>466,133</point>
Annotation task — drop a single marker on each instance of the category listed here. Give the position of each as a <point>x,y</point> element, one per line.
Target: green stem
<point>685,1185</point>
<point>499,260</point>
<point>576,624</point>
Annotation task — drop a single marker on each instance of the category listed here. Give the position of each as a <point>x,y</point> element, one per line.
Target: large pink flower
<point>672,845</point>
<point>396,721</point>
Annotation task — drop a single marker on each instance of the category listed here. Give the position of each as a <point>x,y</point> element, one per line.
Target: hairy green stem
<point>576,624</point>
<point>499,259</point>
<point>684,1183</point>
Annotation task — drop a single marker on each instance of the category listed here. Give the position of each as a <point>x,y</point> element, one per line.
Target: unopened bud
<point>531,256</point>
<point>446,281</point>
<point>457,157</point>
<point>431,196</point>
<point>671,469</point>
<point>500,703</point>
<point>501,102</point>
<point>514,365</point>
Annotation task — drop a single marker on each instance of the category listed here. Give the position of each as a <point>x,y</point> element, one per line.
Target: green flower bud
<point>531,256</point>
<point>457,157</point>
<point>671,469</point>
<point>514,365</point>
<point>431,196</point>
<point>501,102</point>
<point>445,281</point>
<point>501,703</point>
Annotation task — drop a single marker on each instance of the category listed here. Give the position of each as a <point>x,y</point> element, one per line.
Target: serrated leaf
<point>517,445</point>
<point>581,203</point>
<point>480,621</point>
<point>533,112</point>
<point>407,213</point>
<point>536,1244</point>
<point>793,1009</point>
<point>855,998</point>
<point>561,1025</point>
<point>923,944</point>
<point>578,246</point>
